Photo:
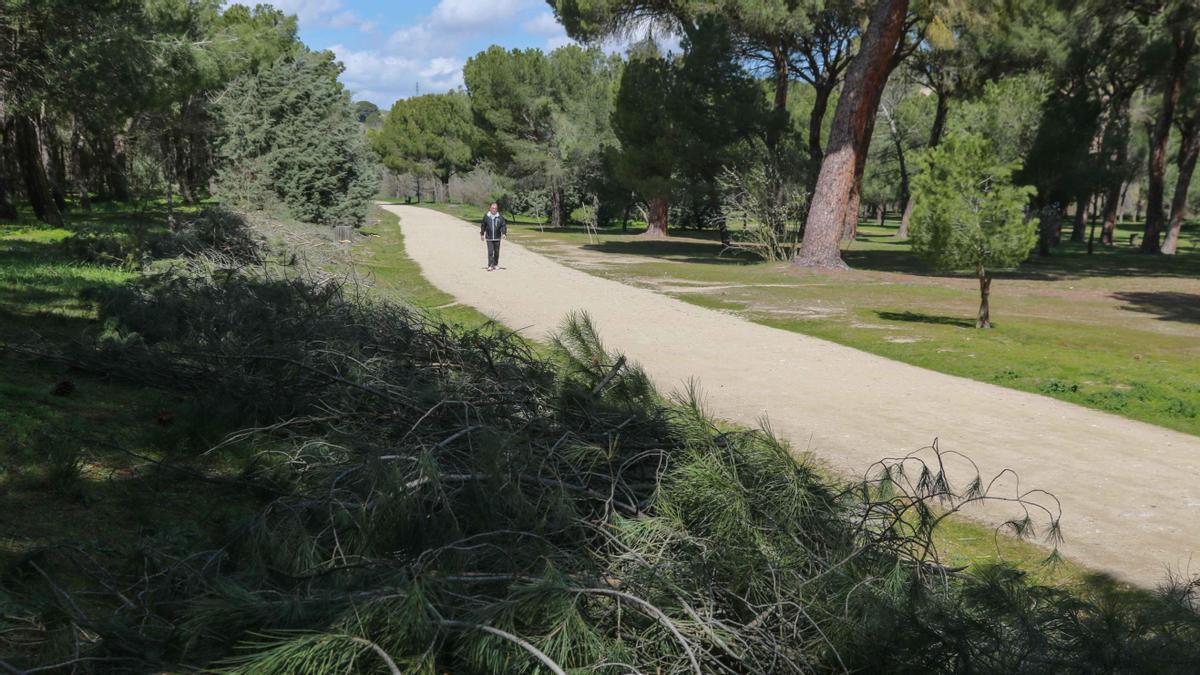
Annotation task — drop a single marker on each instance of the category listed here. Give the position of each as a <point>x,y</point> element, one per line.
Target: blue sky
<point>392,47</point>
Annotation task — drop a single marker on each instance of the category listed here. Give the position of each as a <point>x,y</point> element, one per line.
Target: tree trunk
<point>779,113</point>
<point>1079,226</point>
<point>52,158</point>
<point>1189,151</point>
<point>849,139</point>
<point>1183,39</point>
<point>37,186</point>
<point>79,167</point>
<point>1111,205</point>
<point>116,176</point>
<point>880,215</point>
<point>656,227</point>
<point>8,203</point>
<point>556,219</point>
<point>816,121</point>
<point>984,320</point>
<point>854,205</point>
<point>935,137</point>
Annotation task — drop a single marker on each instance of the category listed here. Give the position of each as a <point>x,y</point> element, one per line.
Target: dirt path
<point>1130,491</point>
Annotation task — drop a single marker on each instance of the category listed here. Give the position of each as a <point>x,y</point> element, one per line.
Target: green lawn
<point>1115,330</point>
<point>81,457</point>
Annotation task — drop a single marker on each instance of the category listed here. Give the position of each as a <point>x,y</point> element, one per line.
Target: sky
<point>394,49</point>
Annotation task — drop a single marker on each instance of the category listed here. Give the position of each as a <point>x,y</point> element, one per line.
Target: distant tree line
<point>1092,102</point>
<point>127,99</point>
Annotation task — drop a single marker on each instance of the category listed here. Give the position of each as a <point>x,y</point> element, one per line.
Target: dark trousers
<point>493,248</point>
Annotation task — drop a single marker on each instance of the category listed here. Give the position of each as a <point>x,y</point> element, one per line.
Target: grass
<point>1116,330</point>
<point>395,275</point>
<point>81,457</point>
<point>99,468</point>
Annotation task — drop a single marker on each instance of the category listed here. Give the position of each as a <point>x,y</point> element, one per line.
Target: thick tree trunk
<point>446,187</point>
<point>849,139</point>
<point>37,186</point>
<point>853,207</point>
<point>656,227</point>
<point>1184,40</point>
<point>8,200</point>
<point>556,219</point>
<point>116,175</point>
<point>79,167</point>
<point>1189,151</point>
<point>779,112</point>
<point>55,163</point>
<point>984,320</point>
<point>880,215</point>
<point>1111,205</point>
<point>1079,226</point>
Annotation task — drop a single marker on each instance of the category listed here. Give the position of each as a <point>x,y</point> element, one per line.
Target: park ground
<point>95,467</point>
<point>1115,330</point>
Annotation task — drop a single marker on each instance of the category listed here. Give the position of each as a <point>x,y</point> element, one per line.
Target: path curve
<point>1130,491</point>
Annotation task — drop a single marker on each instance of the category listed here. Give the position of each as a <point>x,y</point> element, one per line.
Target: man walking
<point>492,230</point>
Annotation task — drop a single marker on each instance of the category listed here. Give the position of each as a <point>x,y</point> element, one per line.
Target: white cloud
<point>383,78</point>
<point>472,15</point>
<point>544,24</point>
<point>344,20</point>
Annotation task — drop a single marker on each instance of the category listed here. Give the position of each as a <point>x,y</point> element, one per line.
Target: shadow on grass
<point>917,317</point>
<point>1168,306</point>
<point>678,251</point>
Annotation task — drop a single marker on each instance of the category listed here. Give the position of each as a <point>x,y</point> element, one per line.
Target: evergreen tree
<point>685,137</point>
<point>434,130</point>
<point>968,214</point>
<point>291,136</point>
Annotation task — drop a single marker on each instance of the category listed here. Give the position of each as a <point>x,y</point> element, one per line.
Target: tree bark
<point>1079,226</point>
<point>52,158</point>
<point>779,113</point>
<point>984,320</point>
<point>1183,39</point>
<point>8,203</point>
<point>1111,205</point>
<point>849,139</point>
<point>816,122</point>
<point>556,219</point>
<point>115,174</point>
<point>1189,151</point>
<point>656,227</point>
<point>79,167</point>
<point>37,186</point>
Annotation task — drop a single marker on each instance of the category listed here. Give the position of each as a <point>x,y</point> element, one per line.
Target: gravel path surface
<point>1130,491</point>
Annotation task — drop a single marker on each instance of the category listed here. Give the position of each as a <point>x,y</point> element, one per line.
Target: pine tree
<point>291,137</point>
<point>968,214</point>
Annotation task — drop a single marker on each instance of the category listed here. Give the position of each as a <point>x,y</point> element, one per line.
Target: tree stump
<point>343,234</point>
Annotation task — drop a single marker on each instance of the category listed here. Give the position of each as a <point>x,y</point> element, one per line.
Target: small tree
<point>969,214</point>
